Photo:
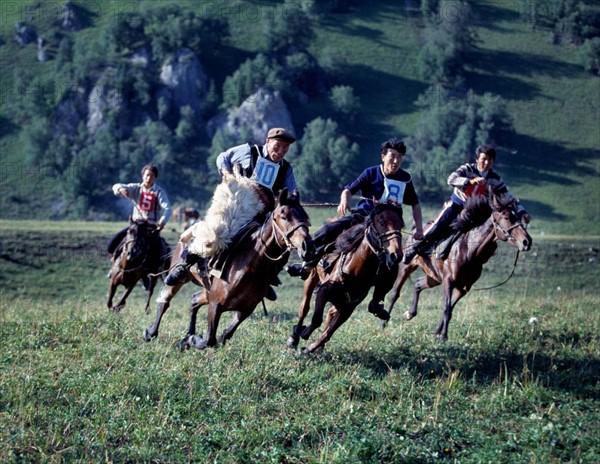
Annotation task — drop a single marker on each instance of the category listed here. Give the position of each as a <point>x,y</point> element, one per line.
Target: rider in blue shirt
<point>384,182</point>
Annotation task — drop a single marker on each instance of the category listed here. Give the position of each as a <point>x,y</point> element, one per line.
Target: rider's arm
<point>236,155</point>
<point>461,177</point>
<point>344,199</point>
<point>418,220</point>
<point>126,190</point>
<point>165,208</point>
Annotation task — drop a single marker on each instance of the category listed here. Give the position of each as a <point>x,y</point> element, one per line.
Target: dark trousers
<point>441,225</point>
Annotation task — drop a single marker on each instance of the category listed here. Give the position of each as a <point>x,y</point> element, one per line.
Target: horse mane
<point>351,238</point>
<point>476,211</point>
<point>235,203</point>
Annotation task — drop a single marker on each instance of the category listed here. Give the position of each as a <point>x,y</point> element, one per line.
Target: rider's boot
<point>181,269</point>
<point>301,270</point>
<point>416,249</point>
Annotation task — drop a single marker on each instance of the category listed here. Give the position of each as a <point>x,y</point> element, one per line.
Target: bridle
<point>376,241</point>
<point>506,231</point>
<point>284,234</point>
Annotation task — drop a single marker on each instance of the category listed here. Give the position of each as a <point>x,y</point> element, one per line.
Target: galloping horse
<point>255,262</point>
<point>483,223</point>
<point>133,261</point>
<point>361,250</point>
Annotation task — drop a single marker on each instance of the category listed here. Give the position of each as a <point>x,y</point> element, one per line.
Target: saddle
<point>220,263</point>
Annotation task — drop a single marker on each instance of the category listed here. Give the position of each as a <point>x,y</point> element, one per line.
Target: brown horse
<point>482,224</point>
<point>254,264</point>
<point>133,260</point>
<point>360,252</point>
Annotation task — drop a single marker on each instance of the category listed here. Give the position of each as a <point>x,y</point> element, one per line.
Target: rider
<point>150,203</point>
<point>263,164</point>
<point>384,182</point>
<point>468,180</point>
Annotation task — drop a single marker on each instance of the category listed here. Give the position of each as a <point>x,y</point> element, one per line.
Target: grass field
<point>78,384</point>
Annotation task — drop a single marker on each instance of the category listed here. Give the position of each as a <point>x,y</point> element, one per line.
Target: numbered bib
<point>265,172</point>
<point>393,190</point>
<point>147,201</point>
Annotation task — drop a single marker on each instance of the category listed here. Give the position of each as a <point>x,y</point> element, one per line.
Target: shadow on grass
<point>553,369</point>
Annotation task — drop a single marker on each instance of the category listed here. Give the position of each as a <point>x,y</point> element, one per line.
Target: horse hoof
<point>184,344</point>
<point>408,316</point>
<point>147,335</point>
<point>292,343</point>
<point>383,324</point>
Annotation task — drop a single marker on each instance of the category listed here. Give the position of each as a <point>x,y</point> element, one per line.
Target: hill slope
<point>552,162</point>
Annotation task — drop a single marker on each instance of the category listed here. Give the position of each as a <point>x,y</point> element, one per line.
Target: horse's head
<point>508,224</point>
<point>384,232</point>
<point>136,240</point>
<point>290,226</point>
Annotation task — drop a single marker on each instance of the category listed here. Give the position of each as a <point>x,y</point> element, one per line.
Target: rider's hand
<point>418,235</point>
<point>476,180</point>
<point>527,218</point>
<point>123,192</point>
<point>160,226</point>
<point>343,206</point>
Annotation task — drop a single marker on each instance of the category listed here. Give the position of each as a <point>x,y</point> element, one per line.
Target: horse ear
<point>283,196</point>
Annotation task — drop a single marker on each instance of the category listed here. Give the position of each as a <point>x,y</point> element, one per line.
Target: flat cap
<point>279,133</point>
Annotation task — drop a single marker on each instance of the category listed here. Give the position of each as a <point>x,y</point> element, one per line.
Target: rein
<point>508,237</point>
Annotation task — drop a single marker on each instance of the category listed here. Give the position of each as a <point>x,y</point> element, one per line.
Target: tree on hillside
<point>447,44</point>
<point>327,159</point>
<point>345,104</point>
<point>449,130</point>
<point>249,77</point>
<point>289,28</point>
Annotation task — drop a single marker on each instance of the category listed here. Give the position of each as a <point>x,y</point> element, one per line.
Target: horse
<point>253,264</point>
<point>480,226</point>
<point>359,253</point>
<point>134,260</point>
<point>186,216</point>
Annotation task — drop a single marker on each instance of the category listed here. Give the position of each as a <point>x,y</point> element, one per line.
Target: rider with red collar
<point>468,180</point>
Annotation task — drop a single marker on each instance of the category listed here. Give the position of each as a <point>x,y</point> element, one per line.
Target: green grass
<point>78,383</point>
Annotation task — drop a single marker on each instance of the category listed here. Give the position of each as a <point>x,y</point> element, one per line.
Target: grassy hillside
<point>552,162</point>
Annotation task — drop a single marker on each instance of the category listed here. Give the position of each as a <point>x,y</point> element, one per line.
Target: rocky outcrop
<point>104,99</point>
<point>255,116</point>
<point>68,18</point>
<point>185,81</point>
<point>24,34</point>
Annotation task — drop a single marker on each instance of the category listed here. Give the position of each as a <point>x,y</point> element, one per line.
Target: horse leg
<point>121,304</point>
<point>309,287</point>
<point>317,319</point>
<point>150,292</point>
<point>198,299</point>
<point>164,301</point>
<point>238,318</point>
<point>111,294</point>
<point>335,318</point>
<point>404,272</point>
<point>210,339</point>
<point>421,284</point>
<point>451,297</point>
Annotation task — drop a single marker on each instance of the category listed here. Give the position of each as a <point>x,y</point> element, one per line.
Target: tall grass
<point>516,382</point>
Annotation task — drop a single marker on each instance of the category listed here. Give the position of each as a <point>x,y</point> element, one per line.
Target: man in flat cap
<point>264,165</point>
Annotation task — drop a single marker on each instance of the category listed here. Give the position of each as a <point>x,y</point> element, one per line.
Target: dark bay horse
<point>360,251</point>
<point>482,224</point>
<point>255,262</point>
<point>133,260</point>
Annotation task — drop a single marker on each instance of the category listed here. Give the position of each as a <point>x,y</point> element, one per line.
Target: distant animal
<point>254,263</point>
<point>359,253</point>
<point>186,216</point>
<point>135,259</point>
<point>482,224</point>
